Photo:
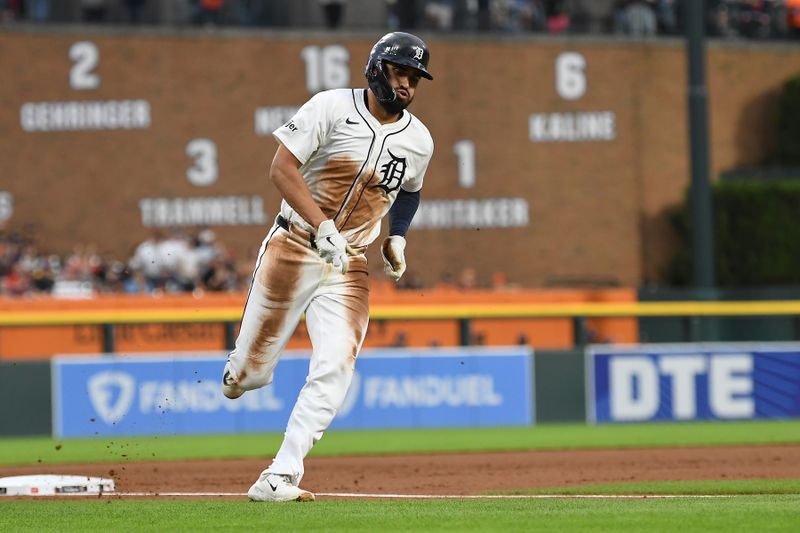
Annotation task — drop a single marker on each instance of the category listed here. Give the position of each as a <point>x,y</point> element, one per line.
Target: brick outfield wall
<point>594,208</point>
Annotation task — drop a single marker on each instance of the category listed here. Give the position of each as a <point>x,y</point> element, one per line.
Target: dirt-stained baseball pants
<point>290,278</point>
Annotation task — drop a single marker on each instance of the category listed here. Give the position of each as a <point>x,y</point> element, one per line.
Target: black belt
<point>283,223</point>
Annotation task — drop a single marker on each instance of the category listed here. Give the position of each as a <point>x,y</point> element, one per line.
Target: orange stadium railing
<point>545,319</point>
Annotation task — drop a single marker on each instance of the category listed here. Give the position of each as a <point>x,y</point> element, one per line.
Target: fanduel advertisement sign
<point>693,382</point>
<point>391,388</point>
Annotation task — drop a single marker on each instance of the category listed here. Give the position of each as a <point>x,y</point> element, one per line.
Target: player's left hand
<point>394,260</point>
<point>333,248</point>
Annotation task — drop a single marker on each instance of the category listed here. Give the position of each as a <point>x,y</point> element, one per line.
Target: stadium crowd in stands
<point>177,262</point>
<point>166,262</point>
<point>726,18</point>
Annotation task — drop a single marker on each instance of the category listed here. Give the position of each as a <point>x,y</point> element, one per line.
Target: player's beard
<point>397,105</point>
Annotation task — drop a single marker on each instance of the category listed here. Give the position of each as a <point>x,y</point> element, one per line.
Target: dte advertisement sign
<point>723,381</point>
<point>180,394</point>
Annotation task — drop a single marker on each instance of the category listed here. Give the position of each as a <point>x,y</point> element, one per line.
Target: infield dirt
<point>452,473</point>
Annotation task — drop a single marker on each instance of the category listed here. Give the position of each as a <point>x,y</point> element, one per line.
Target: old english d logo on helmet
<point>403,49</point>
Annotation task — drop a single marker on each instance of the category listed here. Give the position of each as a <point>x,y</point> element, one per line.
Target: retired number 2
<point>84,55</point>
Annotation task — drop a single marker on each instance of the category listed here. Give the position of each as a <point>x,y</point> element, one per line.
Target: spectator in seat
<point>10,10</point>
<point>39,10</point>
<point>635,17</point>
<point>401,14</point>
<point>94,11</point>
<point>557,16</point>
<point>333,11</point>
<point>134,10</point>
<point>793,16</point>
<point>208,12</point>
<point>147,259</point>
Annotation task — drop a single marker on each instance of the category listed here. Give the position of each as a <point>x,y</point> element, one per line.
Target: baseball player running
<point>345,160</point>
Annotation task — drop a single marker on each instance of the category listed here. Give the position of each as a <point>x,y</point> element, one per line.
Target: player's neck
<point>378,111</point>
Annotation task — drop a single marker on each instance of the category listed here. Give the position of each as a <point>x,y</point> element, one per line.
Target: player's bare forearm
<point>285,175</point>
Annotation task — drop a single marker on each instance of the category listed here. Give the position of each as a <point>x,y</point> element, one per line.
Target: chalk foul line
<point>423,496</point>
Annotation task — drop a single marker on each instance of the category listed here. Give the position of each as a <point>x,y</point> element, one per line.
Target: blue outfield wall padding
<point>693,381</point>
<point>460,387</point>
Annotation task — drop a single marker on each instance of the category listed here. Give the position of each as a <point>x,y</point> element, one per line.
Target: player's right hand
<point>332,246</point>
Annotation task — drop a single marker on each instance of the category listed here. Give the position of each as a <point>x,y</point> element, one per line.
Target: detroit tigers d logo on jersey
<point>393,173</point>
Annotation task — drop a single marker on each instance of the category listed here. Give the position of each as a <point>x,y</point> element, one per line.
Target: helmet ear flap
<point>379,82</point>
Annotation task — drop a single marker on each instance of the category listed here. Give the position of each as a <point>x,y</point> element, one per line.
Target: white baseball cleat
<point>277,488</point>
<point>229,388</point>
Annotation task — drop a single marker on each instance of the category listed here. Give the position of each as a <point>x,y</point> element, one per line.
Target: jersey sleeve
<point>305,131</point>
<point>414,183</point>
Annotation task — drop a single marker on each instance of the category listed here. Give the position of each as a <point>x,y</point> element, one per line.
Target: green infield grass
<point>19,451</point>
<point>715,487</point>
<point>728,514</point>
<point>736,505</point>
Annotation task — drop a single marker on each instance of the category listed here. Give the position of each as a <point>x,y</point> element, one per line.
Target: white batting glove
<point>332,246</point>
<point>394,260</point>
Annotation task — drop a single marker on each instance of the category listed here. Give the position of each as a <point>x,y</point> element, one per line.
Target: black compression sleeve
<point>402,211</point>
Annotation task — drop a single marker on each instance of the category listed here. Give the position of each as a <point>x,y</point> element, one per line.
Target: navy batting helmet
<point>399,48</point>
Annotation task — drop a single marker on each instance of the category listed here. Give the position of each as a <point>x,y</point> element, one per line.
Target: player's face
<point>404,81</point>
